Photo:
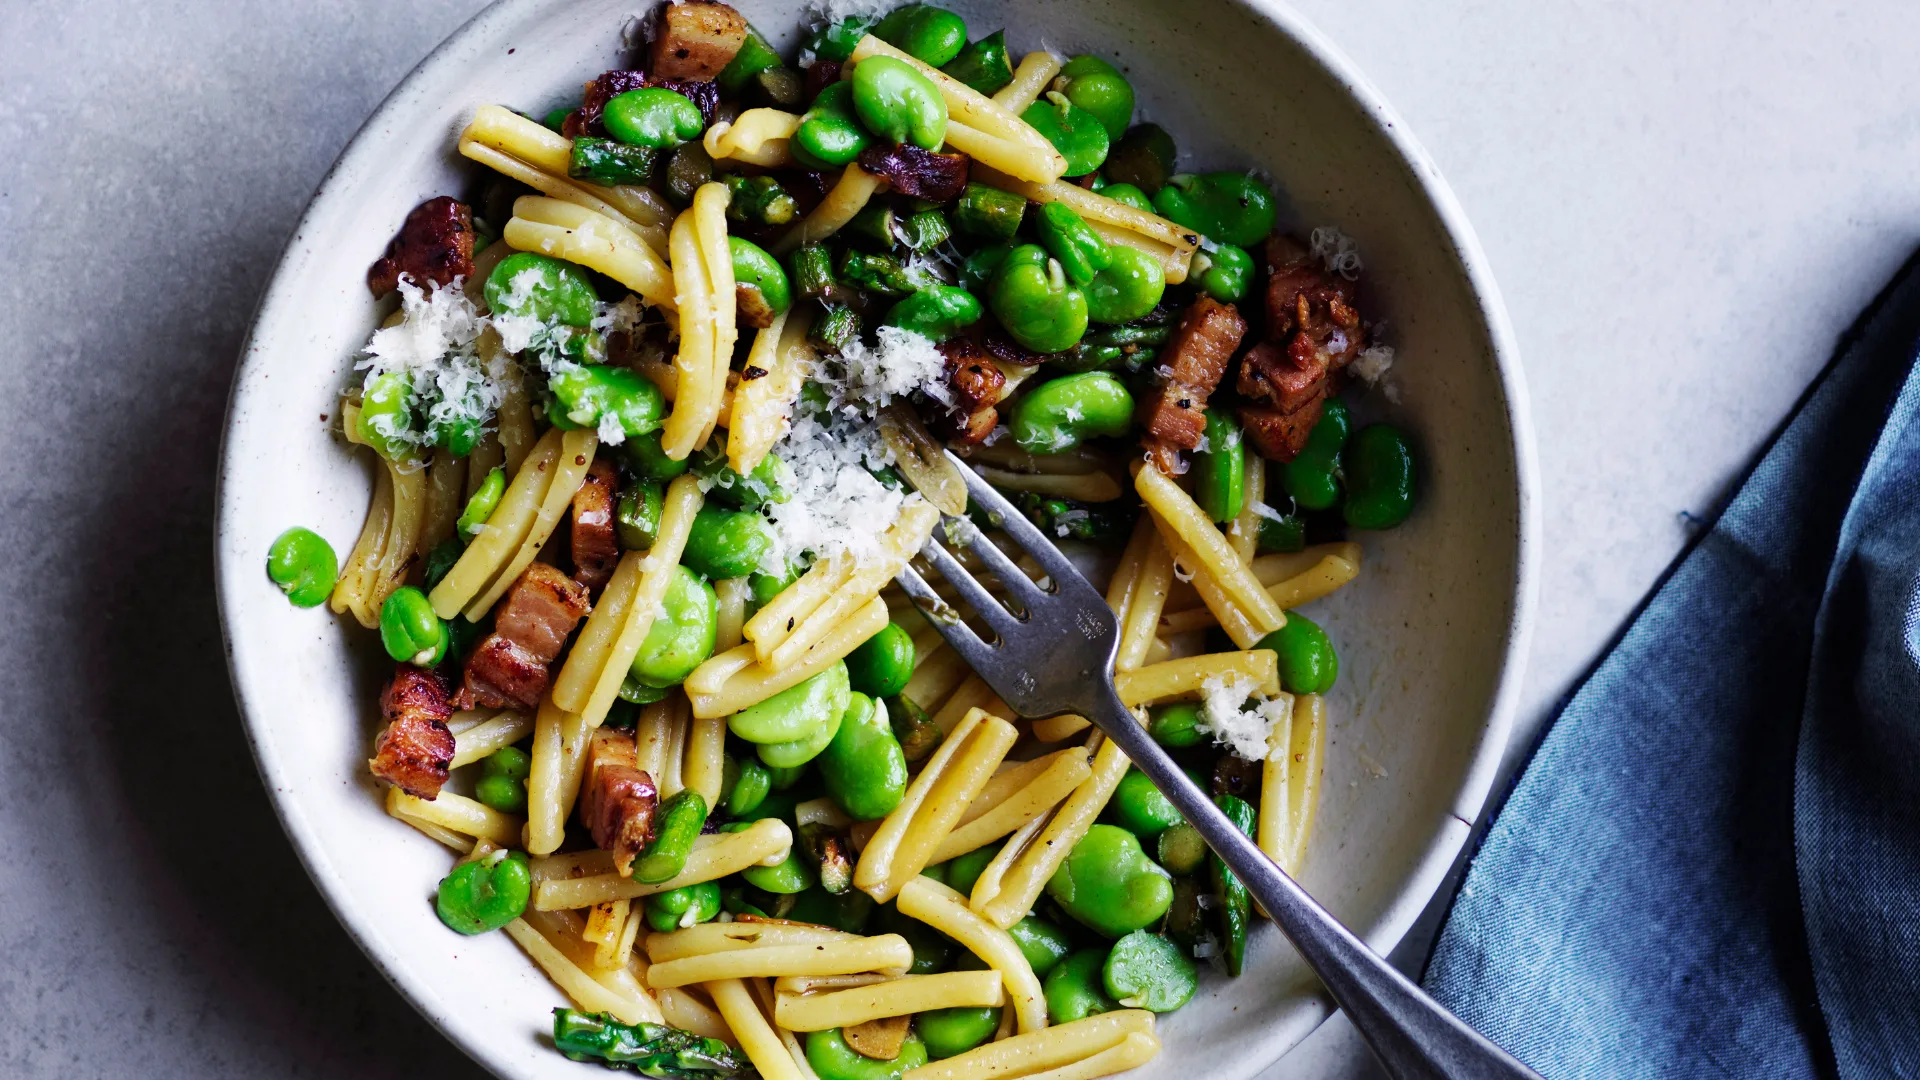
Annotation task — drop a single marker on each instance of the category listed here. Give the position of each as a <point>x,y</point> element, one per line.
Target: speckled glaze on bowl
<point>1431,636</point>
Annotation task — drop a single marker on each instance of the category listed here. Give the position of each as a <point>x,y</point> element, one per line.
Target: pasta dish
<point>660,411</point>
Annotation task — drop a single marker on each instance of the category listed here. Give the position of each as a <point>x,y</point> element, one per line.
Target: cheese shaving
<point>436,346</point>
<point>1238,717</point>
<point>1337,251</point>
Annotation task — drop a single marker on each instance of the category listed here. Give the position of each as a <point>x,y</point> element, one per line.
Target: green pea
<point>1079,135</point>
<point>677,825</point>
<point>556,118</point>
<point>882,664</point>
<point>1230,207</point>
<point>587,396</point>
<point>1225,273</point>
<point>749,790</point>
<point>606,162</point>
<point>688,905</point>
<point>1232,903</point>
<point>754,57</point>
<point>1108,883</point>
<point>503,780</point>
<point>1098,87</point>
<point>1380,477</point>
<point>797,712</point>
<point>636,517</point>
<point>726,543</point>
<point>1129,288</point>
<point>863,766</point>
<point>829,135</point>
<point>683,632</point>
<point>1181,849</point>
<point>1081,251</point>
<point>936,312</point>
<point>1308,664</point>
<point>790,876</point>
<point>1143,157</point>
<point>1279,537</point>
<point>539,287</point>
<point>988,212</point>
<point>897,103</point>
<point>1140,808</point>
<point>836,41</point>
<point>1220,470</point>
<point>1042,943</point>
<point>847,911</point>
<point>649,459</point>
<point>796,753</point>
<point>963,871</point>
<point>654,117</point>
<point>386,415</point>
<point>833,1059</point>
<point>410,630</point>
<point>1061,413</point>
<point>1128,195</point>
<point>1076,988</point>
<point>1146,971</point>
<point>303,564</point>
<point>485,894</point>
<point>957,1030</point>
<point>1176,726</point>
<point>983,65</point>
<point>934,36</point>
<point>1035,302</point>
<point>760,283</point>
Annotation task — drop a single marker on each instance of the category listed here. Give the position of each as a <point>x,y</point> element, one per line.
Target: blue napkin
<point>1711,866</point>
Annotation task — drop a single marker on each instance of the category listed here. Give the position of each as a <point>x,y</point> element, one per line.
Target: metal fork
<point>1052,654</point>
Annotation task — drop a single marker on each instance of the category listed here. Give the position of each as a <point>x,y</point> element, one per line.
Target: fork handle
<point>1413,1036</point>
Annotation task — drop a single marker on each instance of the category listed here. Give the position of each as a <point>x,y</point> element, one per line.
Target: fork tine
<point>1023,532</point>
<point>998,561</point>
<point>944,619</point>
<point>985,604</point>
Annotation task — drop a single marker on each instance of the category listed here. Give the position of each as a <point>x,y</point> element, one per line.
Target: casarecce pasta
<point>663,409</point>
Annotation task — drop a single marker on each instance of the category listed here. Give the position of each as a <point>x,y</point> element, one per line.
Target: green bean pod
<point>606,162</point>
<point>1230,893</point>
<point>677,824</point>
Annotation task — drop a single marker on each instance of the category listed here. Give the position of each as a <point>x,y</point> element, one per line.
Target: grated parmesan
<point>871,376</point>
<point>436,346</point>
<point>1225,714</point>
<point>1372,363</point>
<point>837,505</point>
<point>1337,251</point>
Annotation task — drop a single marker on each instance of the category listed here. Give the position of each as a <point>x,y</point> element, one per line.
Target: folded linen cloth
<point>1711,865</point>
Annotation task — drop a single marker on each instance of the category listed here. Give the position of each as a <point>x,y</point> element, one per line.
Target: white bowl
<point>1431,636</point>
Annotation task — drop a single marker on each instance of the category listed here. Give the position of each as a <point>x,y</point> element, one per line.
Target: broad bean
<point>531,285</point>
<point>829,135</point>
<point>1061,413</point>
<point>863,766</point>
<point>1230,207</point>
<point>410,630</point>
<point>957,1030</point>
<point>503,780</point>
<point>932,35</point>
<point>584,397</point>
<point>1139,807</point>
<point>688,905</point>
<point>883,663</point>
<point>1146,971</point>
<point>1098,87</point>
<point>682,635</point>
<point>1380,477</point>
<point>936,312</point>
<point>1130,286</point>
<point>485,894</point>
<point>897,103</point>
<point>983,65</point>
<point>677,824</point>
<point>760,284</point>
<point>833,1059</point>
<point>798,712</point>
<point>303,564</point>
<point>1035,302</point>
<point>1079,135</point>
<point>1308,664</point>
<point>653,117</point>
<point>726,543</point>
<point>1076,989</point>
<point>1108,883</point>
<point>1220,470</point>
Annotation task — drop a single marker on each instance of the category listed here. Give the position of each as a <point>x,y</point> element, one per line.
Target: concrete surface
<point>1684,204</point>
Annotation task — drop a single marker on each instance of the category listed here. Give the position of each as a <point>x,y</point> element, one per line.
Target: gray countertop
<point>1684,204</point>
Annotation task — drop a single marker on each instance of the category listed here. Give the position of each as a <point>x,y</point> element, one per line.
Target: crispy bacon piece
<point>1310,309</point>
<point>586,119</point>
<point>917,173</point>
<point>695,39</point>
<point>415,750</point>
<point>618,798</point>
<point>595,547</point>
<point>1281,436</point>
<point>509,666</point>
<point>1313,331</point>
<point>435,244</point>
<point>1191,364</point>
<point>975,385</point>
